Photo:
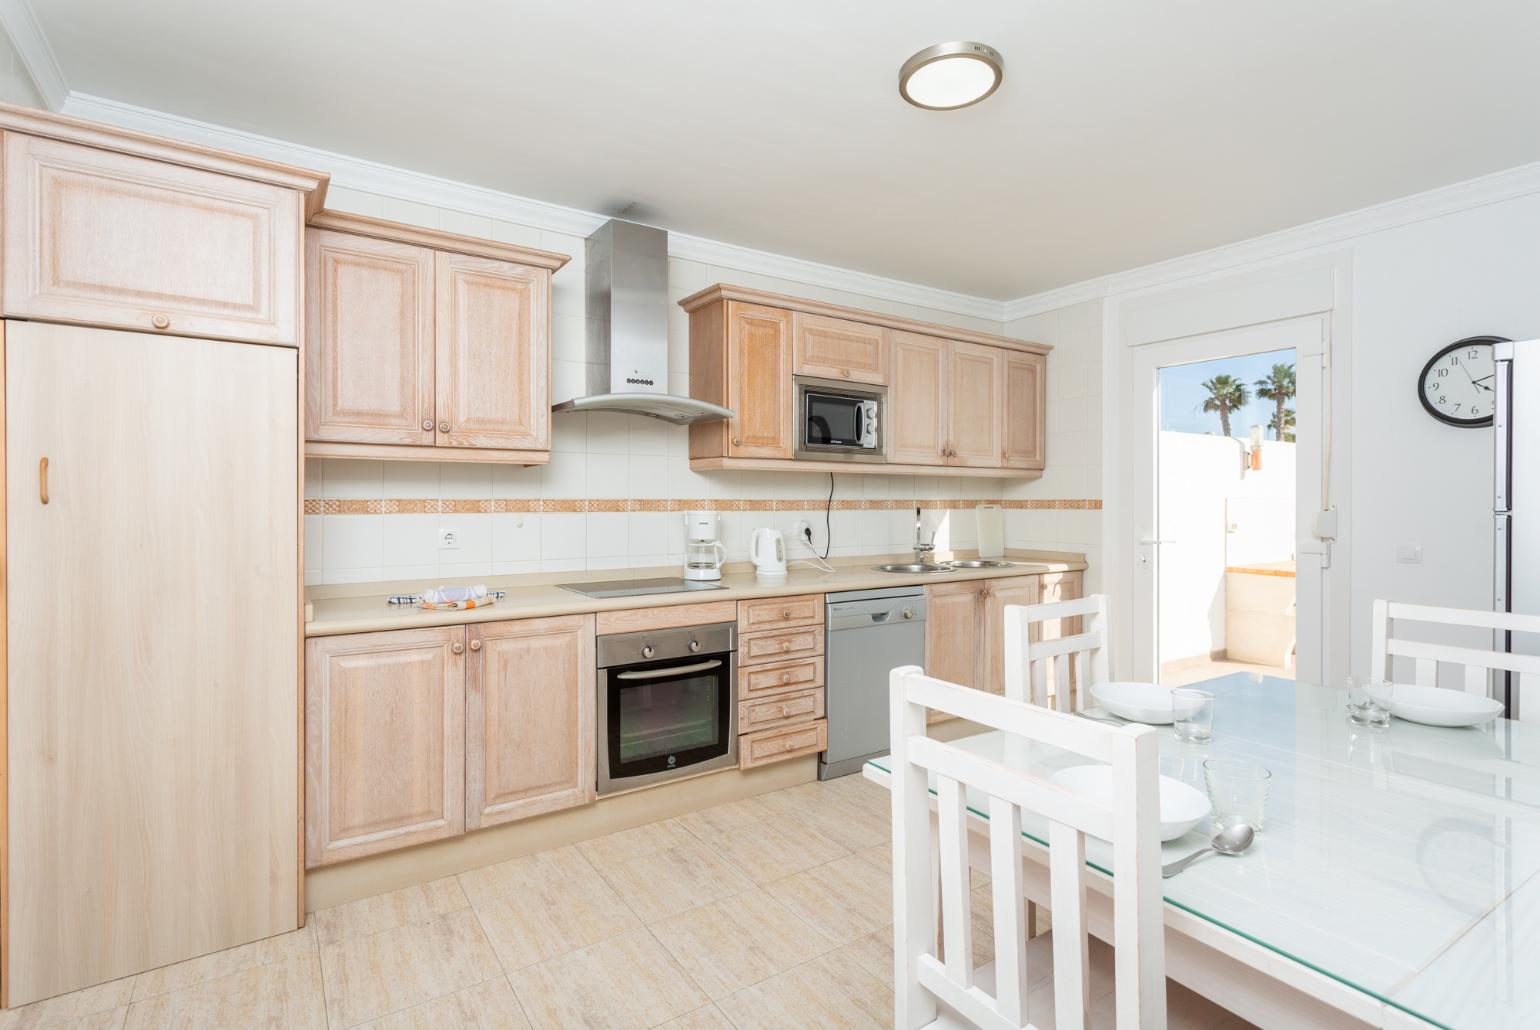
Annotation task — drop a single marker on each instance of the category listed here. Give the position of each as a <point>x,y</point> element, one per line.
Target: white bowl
<point>1181,807</point>
<point>1437,706</point>
<point>1138,702</point>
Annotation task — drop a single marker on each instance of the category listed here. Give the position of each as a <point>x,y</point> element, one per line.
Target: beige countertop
<point>362,608</point>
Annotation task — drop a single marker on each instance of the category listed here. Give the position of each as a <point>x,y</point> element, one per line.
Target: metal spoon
<point>1232,840</point>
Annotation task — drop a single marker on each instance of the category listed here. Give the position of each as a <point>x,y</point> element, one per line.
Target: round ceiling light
<point>947,76</point>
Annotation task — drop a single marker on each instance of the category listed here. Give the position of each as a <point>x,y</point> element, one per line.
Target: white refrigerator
<point>1516,506</point>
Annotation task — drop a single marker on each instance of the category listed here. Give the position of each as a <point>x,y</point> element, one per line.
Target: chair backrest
<point>1389,616</point>
<point>1130,823</point>
<point>1078,654</point>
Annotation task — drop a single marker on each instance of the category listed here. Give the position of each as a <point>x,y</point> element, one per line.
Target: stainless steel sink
<point>979,563</point>
<point>912,567</point>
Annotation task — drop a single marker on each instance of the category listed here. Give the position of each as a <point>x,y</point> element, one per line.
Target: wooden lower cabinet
<point>384,741</point>
<point>965,624</point>
<point>529,718</point>
<point>781,680</point>
<point>755,749</point>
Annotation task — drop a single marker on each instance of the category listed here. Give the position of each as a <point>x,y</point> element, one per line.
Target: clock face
<point>1458,385</point>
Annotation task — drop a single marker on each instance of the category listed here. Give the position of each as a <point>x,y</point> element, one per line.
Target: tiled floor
<point>773,912</point>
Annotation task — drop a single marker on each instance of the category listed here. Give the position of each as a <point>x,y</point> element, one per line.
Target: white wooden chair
<point>1028,655</point>
<point>932,992</point>
<point>1426,657</point>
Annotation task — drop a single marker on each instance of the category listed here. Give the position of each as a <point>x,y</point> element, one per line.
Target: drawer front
<point>107,239</point>
<point>779,677</point>
<point>780,645</point>
<point>782,710</point>
<point>779,745</point>
<point>631,620</point>
<point>780,612</point>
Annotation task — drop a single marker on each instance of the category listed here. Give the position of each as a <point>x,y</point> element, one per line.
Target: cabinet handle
<point>845,373</point>
<point>737,441</point>
<point>42,480</point>
<point>443,427</point>
<point>427,424</point>
<point>785,677</point>
<point>785,613</point>
<point>475,645</point>
<point>786,645</point>
<point>160,321</point>
<point>458,648</point>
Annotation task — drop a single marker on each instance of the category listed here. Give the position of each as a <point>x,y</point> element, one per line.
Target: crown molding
<point>402,184</point>
<point>21,24</point>
<point>1326,232</point>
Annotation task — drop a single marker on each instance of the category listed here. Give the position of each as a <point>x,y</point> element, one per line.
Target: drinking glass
<point>1238,791</point>
<point>1369,702</point>
<point>1192,715</point>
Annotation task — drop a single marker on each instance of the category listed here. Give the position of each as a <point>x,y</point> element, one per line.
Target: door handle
<point>678,670</point>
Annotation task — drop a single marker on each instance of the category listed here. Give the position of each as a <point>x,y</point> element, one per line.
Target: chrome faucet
<point>921,549</point>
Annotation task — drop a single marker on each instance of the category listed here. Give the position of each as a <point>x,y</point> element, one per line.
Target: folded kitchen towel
<point>451,598</point>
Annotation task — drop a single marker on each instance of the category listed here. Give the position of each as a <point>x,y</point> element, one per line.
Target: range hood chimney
<point>626,267</point>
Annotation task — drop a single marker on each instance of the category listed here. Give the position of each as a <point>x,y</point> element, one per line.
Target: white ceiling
<point>1125,132</point>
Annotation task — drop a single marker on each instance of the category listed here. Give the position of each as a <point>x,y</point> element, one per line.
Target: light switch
<point>1408,554</point>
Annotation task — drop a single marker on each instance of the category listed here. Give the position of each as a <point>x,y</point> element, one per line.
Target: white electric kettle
<point>767,549</point>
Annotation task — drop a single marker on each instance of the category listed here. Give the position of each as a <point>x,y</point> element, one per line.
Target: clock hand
<point>1484,378</point>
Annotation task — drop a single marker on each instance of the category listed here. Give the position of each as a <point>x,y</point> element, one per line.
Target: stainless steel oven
<point>839,420</point>
<point>667,705</point>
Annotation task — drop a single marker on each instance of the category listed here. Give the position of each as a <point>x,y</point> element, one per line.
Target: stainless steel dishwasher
<point>868,633</point>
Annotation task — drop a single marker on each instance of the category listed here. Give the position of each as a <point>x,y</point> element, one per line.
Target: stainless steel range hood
<point>627,306</point>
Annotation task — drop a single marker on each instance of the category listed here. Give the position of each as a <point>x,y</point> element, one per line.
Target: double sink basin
<point>947,566</point>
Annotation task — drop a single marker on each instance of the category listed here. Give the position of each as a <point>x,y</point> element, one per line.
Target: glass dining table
<point>1397,871</point>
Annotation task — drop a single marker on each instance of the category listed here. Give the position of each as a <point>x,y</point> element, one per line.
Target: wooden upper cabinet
<point>493,354</point>
<point>958,401</point>
<point>839,348</point>
<point>529,705</point>
<point>1025,411</point>
<point>384,741</point>
<point>759,381</point>
<point>918,401</point>
<point>975,394</point>
<point>369,340</point>
<point>109,239</point>
<point>425,345</point>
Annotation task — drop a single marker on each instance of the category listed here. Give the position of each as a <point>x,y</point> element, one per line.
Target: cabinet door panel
<point>114,240</point>
<point>917,401</point>
<point>759,381</point>
<point>954,632</point>
<point>369,340</point>
<point>151,778</point>
<point>997,594</point>
<point>529,718</point>
<point>837,348</point>
<point>384,741</point>
<point>1024,411</point>
<point>493,368</point>
<point>976,388</point>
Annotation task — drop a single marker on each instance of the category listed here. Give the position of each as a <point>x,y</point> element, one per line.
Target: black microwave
<point>839,421</point>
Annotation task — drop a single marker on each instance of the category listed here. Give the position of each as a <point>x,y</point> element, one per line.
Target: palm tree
<point>1285,430</point>
<point>1278,387</point>
<point>1225,394</point>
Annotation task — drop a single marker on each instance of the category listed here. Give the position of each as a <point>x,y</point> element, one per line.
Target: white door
<point>1158,550</point>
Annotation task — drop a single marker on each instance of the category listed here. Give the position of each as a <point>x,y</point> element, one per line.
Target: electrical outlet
<point>804,532</point>
<point>448,539</point>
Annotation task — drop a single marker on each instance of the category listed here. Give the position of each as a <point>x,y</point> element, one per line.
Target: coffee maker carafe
<point>703,549</point>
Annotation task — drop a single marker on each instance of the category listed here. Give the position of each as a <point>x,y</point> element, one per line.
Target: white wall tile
<point>647,532</point>
<point>474,532</point>
<point>563,537</point>
<point>410,479</point>
<point>608,534</point>
<point>608,475</point>
<point>465,479</point>
<point>409,540</point>
<point>352,541</point>
<point>353,479</point>
<point>516,537</point>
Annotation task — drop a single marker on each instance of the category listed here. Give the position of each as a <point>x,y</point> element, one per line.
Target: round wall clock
<point>1457,384</point>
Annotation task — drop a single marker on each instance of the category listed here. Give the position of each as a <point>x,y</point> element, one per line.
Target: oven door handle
<point>677,670</point>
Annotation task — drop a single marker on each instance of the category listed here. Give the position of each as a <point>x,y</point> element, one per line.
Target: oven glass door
<point>668,715</point>
<point>832,420</point>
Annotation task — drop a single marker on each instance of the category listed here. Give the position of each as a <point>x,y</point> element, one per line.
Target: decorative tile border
<point>575,505</point>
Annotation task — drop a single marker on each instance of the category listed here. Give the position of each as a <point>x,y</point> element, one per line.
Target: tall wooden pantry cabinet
<point>152,596</point>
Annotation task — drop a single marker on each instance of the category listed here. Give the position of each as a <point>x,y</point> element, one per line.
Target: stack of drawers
<point>780,679</point>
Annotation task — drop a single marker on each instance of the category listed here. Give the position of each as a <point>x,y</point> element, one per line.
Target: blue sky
<point>1181,396</point>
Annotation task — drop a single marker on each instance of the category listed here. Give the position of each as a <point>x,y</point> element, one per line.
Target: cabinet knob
<point>160,321</point>
<point>694,645</point>
<point>845,372</point>
<point>737,441</point>
<point>785,677</point>
<point>785,613</point>
<point>427,424</point>
<point>475,645</point>
<point>458,648</point>
<point>786,645</point>
<point>648,651</point>
<point>443,427</point>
